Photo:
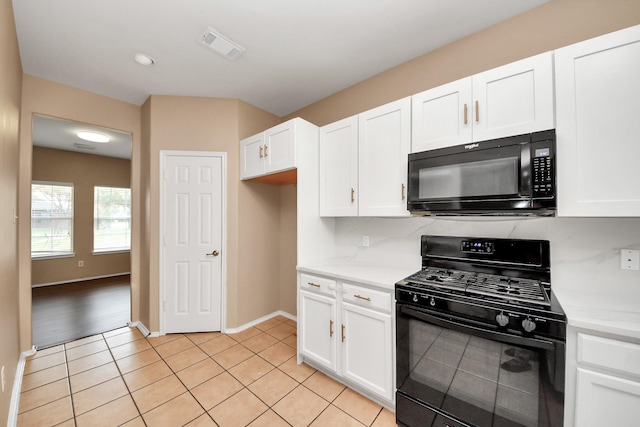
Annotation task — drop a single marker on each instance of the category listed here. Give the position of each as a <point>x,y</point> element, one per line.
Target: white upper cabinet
<point>513,99</point>
<point>363,163</point>
<point>339,168</point>
<point>441,117</point>
<point>384,141</point>
<point>598,126</point>
<point>280,147</point>
<point>273,150</point>
<point>252,162</point>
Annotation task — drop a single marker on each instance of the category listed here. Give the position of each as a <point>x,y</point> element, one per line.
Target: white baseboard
<point>143,329</point>
<point>14,406</point>
<point>260,320</point>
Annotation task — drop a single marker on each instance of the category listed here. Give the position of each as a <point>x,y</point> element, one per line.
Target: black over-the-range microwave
<point>515,175</point>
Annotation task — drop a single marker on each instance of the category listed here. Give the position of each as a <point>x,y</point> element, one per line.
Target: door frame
<point>164,154</point>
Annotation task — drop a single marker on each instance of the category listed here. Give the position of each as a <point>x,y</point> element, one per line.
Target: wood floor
<point>67,312</point>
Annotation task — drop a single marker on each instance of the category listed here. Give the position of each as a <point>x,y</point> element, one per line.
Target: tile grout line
<point>66,362</point>
<point>122,378</point>
<point>174,373</point>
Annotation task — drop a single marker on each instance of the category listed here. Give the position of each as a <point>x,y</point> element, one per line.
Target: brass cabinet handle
<point>266,153</point>
<point>261,156</point>
<point>403,188</point>
<point>214,253</point>
<point>465,114</point>
<point>363,298</point>
<point>353,195</point>
<point>330,328</point>
<point>313,284</point>
<point>342,333</point>
<point>477,112</point>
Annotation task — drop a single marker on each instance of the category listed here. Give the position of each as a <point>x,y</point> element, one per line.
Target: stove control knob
<point>502,319</point>
<point>528,325</point>
<point>415,298</point>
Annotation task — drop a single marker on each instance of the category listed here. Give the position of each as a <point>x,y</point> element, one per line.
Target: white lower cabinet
<point>317,335</point>
<point>606,400</point>
<point>350,335</point>
<point>607,380</point>
<point>367,350</point>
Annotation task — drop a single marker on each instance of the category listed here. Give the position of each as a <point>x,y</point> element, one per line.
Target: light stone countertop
<point>616,311</point>
<point>379,276</point>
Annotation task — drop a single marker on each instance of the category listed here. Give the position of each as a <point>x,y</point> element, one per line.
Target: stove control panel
<point>481,246</point>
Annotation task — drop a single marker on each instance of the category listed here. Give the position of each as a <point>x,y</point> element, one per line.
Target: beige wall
<point>60,101</point>
<point>207,124</point>
<point>10,84</point>
<point>288,249</point>
<point>554,24</point>
<point>84,171</point>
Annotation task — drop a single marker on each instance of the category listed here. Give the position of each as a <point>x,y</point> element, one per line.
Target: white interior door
<point>192,241</point>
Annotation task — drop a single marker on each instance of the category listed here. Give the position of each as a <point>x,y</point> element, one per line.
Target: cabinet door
<point>318,328</point>
<point>606,400</point>
<point>280,147</point>
<point>339,168</point>
<point>252,156</point>
<point>598,108</point>
<point>367,349</point>
<point>514,99</point>
<point>383,146</point>
<point>441,117</point>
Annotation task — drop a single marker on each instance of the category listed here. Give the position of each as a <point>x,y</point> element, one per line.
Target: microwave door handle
<point>525,170</point>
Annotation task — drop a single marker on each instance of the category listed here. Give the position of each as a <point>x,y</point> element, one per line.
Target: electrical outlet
<point>2,379</point>
<point>80,263</point>
<point>629,259</point>
<point>365,241</point>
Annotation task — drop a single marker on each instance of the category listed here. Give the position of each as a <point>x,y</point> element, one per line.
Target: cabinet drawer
<point>366,297</point>
<point>317,284</point>
<point>607,353</point>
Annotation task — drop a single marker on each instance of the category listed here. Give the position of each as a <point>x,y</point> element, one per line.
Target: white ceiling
<point>297,51</point>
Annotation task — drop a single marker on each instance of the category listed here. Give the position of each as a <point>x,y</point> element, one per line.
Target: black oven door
<point>454,373</point>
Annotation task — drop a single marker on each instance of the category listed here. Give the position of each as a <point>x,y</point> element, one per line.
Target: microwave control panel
<point>543,172</point>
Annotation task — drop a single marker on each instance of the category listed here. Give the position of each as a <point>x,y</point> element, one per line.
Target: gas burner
<point>511,288</point>
<point>506,288</point>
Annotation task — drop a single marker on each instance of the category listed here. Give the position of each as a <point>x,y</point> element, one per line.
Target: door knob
<point>214,253</point>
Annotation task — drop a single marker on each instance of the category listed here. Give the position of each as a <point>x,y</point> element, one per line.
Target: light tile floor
<point>207,379</point>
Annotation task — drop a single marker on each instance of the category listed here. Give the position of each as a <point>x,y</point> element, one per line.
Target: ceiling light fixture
<point>143,59</point>
<point>93,137</point>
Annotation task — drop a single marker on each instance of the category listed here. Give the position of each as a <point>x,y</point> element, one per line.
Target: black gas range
<point>480,312</point>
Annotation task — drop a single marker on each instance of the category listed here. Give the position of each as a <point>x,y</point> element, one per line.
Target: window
<point>111,219</point>
<point>51,219</point>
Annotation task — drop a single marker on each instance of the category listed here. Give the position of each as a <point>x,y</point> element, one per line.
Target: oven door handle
<point>476,331</point>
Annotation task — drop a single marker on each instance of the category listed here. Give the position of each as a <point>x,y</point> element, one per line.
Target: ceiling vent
<point>220,44</point>
<point>81,146</point>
